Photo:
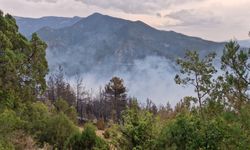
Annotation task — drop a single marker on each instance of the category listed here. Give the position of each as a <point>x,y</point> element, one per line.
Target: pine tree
<point>236,79</point>
<point>198,73</point>
<point>22,62</point>
<point>115,92</point>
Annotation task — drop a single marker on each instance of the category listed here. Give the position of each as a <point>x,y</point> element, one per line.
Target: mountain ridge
<point>99,47</point>
<point>28,26</point>
<point>102,39</point>
<point>20,20</point>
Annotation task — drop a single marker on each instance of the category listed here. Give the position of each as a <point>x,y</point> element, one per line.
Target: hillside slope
<point>100,40</point>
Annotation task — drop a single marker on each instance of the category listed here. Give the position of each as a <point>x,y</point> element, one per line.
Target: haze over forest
<point>124,75</point>
<point>193,18</point>
<point>99,47</point>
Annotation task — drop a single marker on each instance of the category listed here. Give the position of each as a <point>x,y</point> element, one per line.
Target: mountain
<point>100,46</point>
<point>27,26</point>
<point>100,40</point>
<point>245,43</point>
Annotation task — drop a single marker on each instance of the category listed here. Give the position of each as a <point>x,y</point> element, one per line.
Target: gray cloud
<point>136,7</point>
<point>192,17</point>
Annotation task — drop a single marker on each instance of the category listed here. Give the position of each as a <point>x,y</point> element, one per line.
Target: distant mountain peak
<point>28,26</point>
<point>124,40</point>
<point>96,14</point>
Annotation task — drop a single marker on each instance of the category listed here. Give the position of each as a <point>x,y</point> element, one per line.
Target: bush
<point>89,137</point>
<point>37,115</point>
<point>74,142</point>
<point>88,140</point>
<point>9,124</point>
<point>72,114</point>
<point>62,106</point>
<point>5,145</point>
<point>191,132</point>
<point>59,129</point>
<point>138,130</point>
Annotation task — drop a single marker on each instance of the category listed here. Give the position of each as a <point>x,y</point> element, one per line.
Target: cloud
<point>203,18</point>
<point>138,6</point>
<point>37,1</point>
<point>194,17</point>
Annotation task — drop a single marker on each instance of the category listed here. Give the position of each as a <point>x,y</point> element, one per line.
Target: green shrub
<point>9,122</point>
<point>59,129</point>
<point>62,106</point>
<point>6,145</point>
<point>37,115</point>
<point>74,142</point>
<point>72,114</point>
<point>138,130</point>
<point>88,140</point>
<point>189,132</point>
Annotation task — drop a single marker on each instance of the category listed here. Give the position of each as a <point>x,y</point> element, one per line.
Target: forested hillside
<point>99,47</point>
<point>99,41</point>
<point>36,113</point>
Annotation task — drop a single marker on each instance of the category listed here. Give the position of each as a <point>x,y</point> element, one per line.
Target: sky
<point>216,20</point>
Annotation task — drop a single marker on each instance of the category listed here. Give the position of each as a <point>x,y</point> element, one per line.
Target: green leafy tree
<point>137,131</point>
<point>23,64</point>
<point>38,67</point>
<point>236,80</point>
<point>22,80</point>
<point>198,73</point>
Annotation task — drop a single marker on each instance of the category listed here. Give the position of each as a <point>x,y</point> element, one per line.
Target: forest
<point>40,110</point>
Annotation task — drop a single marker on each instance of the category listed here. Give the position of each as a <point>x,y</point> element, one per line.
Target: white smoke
<point>149,78</point>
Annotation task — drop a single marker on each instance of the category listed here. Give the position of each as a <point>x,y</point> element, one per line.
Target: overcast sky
<point>216,20</point>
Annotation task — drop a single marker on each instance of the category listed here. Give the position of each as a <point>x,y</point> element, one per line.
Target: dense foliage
<point>22,85</point>
<point>88,140</point>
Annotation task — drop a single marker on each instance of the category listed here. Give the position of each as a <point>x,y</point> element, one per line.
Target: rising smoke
<point>149,78</point>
